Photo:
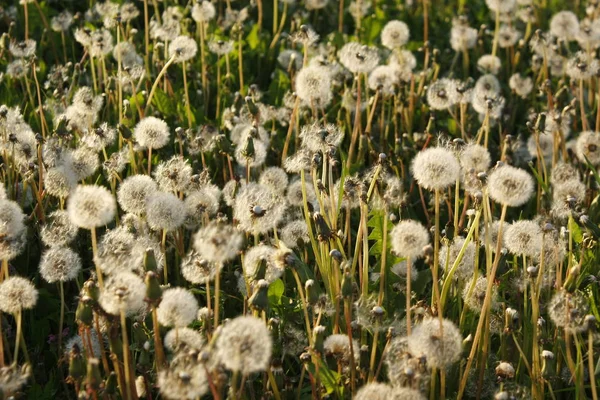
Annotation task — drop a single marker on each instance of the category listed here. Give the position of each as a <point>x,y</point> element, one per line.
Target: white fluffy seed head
<point>178,308</point>
<point>151,132</point>
<point>441,347</point>
<point>134,191</point>
<point>358,58</point>
<point>450,252</point>
<point>409,238</point>
<point>435,168</point>
<point>523,238</point>
<point>91,206</point>
<point>123,291</point>
<point>441,94</point>
<point>313,86</point>
<point>395,34</point>
<point>564,25</point>
<point>374,391</point>
<point>58,230</point>
<point>165,211</point>
<point>510,186</point>
<point>59,264</point>
<point>244,345</point>
<point>183,48</point>
<point>218,243</point>
<point>588,146</point>
<point>17,294</point>
<point>182,339</point>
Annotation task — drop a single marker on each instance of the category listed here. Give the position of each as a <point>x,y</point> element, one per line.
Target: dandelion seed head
<point>568,311</point>
<point>474,295</point>
<point>91,206</point>
<point>173,175</point>
<point>199,205</point>
<point>244,345</point>
<point>197,270</point>
<point>408,238</point>
<point>462,36</point>
<point>59,181</point>
<point>588,146</point>
<point>184,379</point>
<point>510,186</point>
<point>123,291</point>
<point>451,251</point>
<point>164,211</point>
<point>203,11</point>
<point>183,48</point>
<point>257,209</point>
<point>295,232</point>
<point>523,238</point>
<point>564,25</point>
<point>358,58</point>
<point>178,308</point>
<point>59,264</point>
<point>134,191</point>
<point>22,49</point>
<point>313,86</point>
<point>522,86</point>
<point>440,94</point>
<point>17,294</point>
<point>151,132</point>
<point>582,66</point>
<point>321,138</point>
<point>373,391</point>
<point>58,230</point>
<point>395,34</point>
<point>62,22</point>
<point>269,270</point>
<point>440,349</point>
<point>183,339</point>
<point>489,64</point>
<point>218,243</point>
<point>435,168</point>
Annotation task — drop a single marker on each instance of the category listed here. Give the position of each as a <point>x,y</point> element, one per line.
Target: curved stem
<point>156,82</point>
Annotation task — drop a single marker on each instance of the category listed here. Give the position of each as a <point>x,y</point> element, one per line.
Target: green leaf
<point>275,292</point>
<point>252,39</point>
<point>163,103</point>
<point>575,230</point>
<point>330,379</point>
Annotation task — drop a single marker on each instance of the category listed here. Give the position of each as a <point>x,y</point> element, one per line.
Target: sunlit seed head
<point>58,230</point>
<point>164,211</point>
<point>440,344</point>
<point>173,175</point>
<point>244,345</point>
<point>568,311</point>
<point>510,186</point>
<point>489,64</point>
<point>313,86</point>
<point>203,11</point>
<point>373,391</point>
<point>134,191</point>
<point>408,238</point>
<point>522,86</point>
<point>91,206</point>
<point>395,34</point>
<point>523,238</point>
<point>183,48</point>
<point>124,291</point>
<point>588,146</point>
<point>564,25</point>
<point>197,270</point>
<point>178,308</point>
<point>59,264</point>
<point>441,94</point>
<point>435,168</point>
<point>358,58</point>
<point>218,243</point>
<point>450,252</point>
<point>151,132</point>
<point>17,294</point>
<point>474,295</point>
<point>60,181</point>
<point>183,339</point>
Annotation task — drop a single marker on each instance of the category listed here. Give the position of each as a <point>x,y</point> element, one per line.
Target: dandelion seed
<point>151,132</point>
<point>177,308</point>
<point>523,238</point>
<point>203,11</point>
<point>358,58</point>
<point>564,25</point>
<point>435,168</point>
<point>17,294</point>
<point>91,206</point>
<point>521,86</point>
<point>59,264</point>
<point>440,349</point>
<point>123,291</point>
<point>408,238</point>
<point>510,186</point>
<point>394,34</point>
<point>164,211</point>
<point>134,192</point>
<point>218,243</point>
<point>183,339</point>
<point>440,95</point>
<point>588,146</point>
<point>185,379</point>
<point>313,86</point>
<point>244,345</point>
<point>568,311</point>
<point>183,48</point>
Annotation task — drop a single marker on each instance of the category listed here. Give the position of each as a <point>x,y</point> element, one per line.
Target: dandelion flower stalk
<point>126,355</point>
<point>188,110</point>
<point>157,82</point>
